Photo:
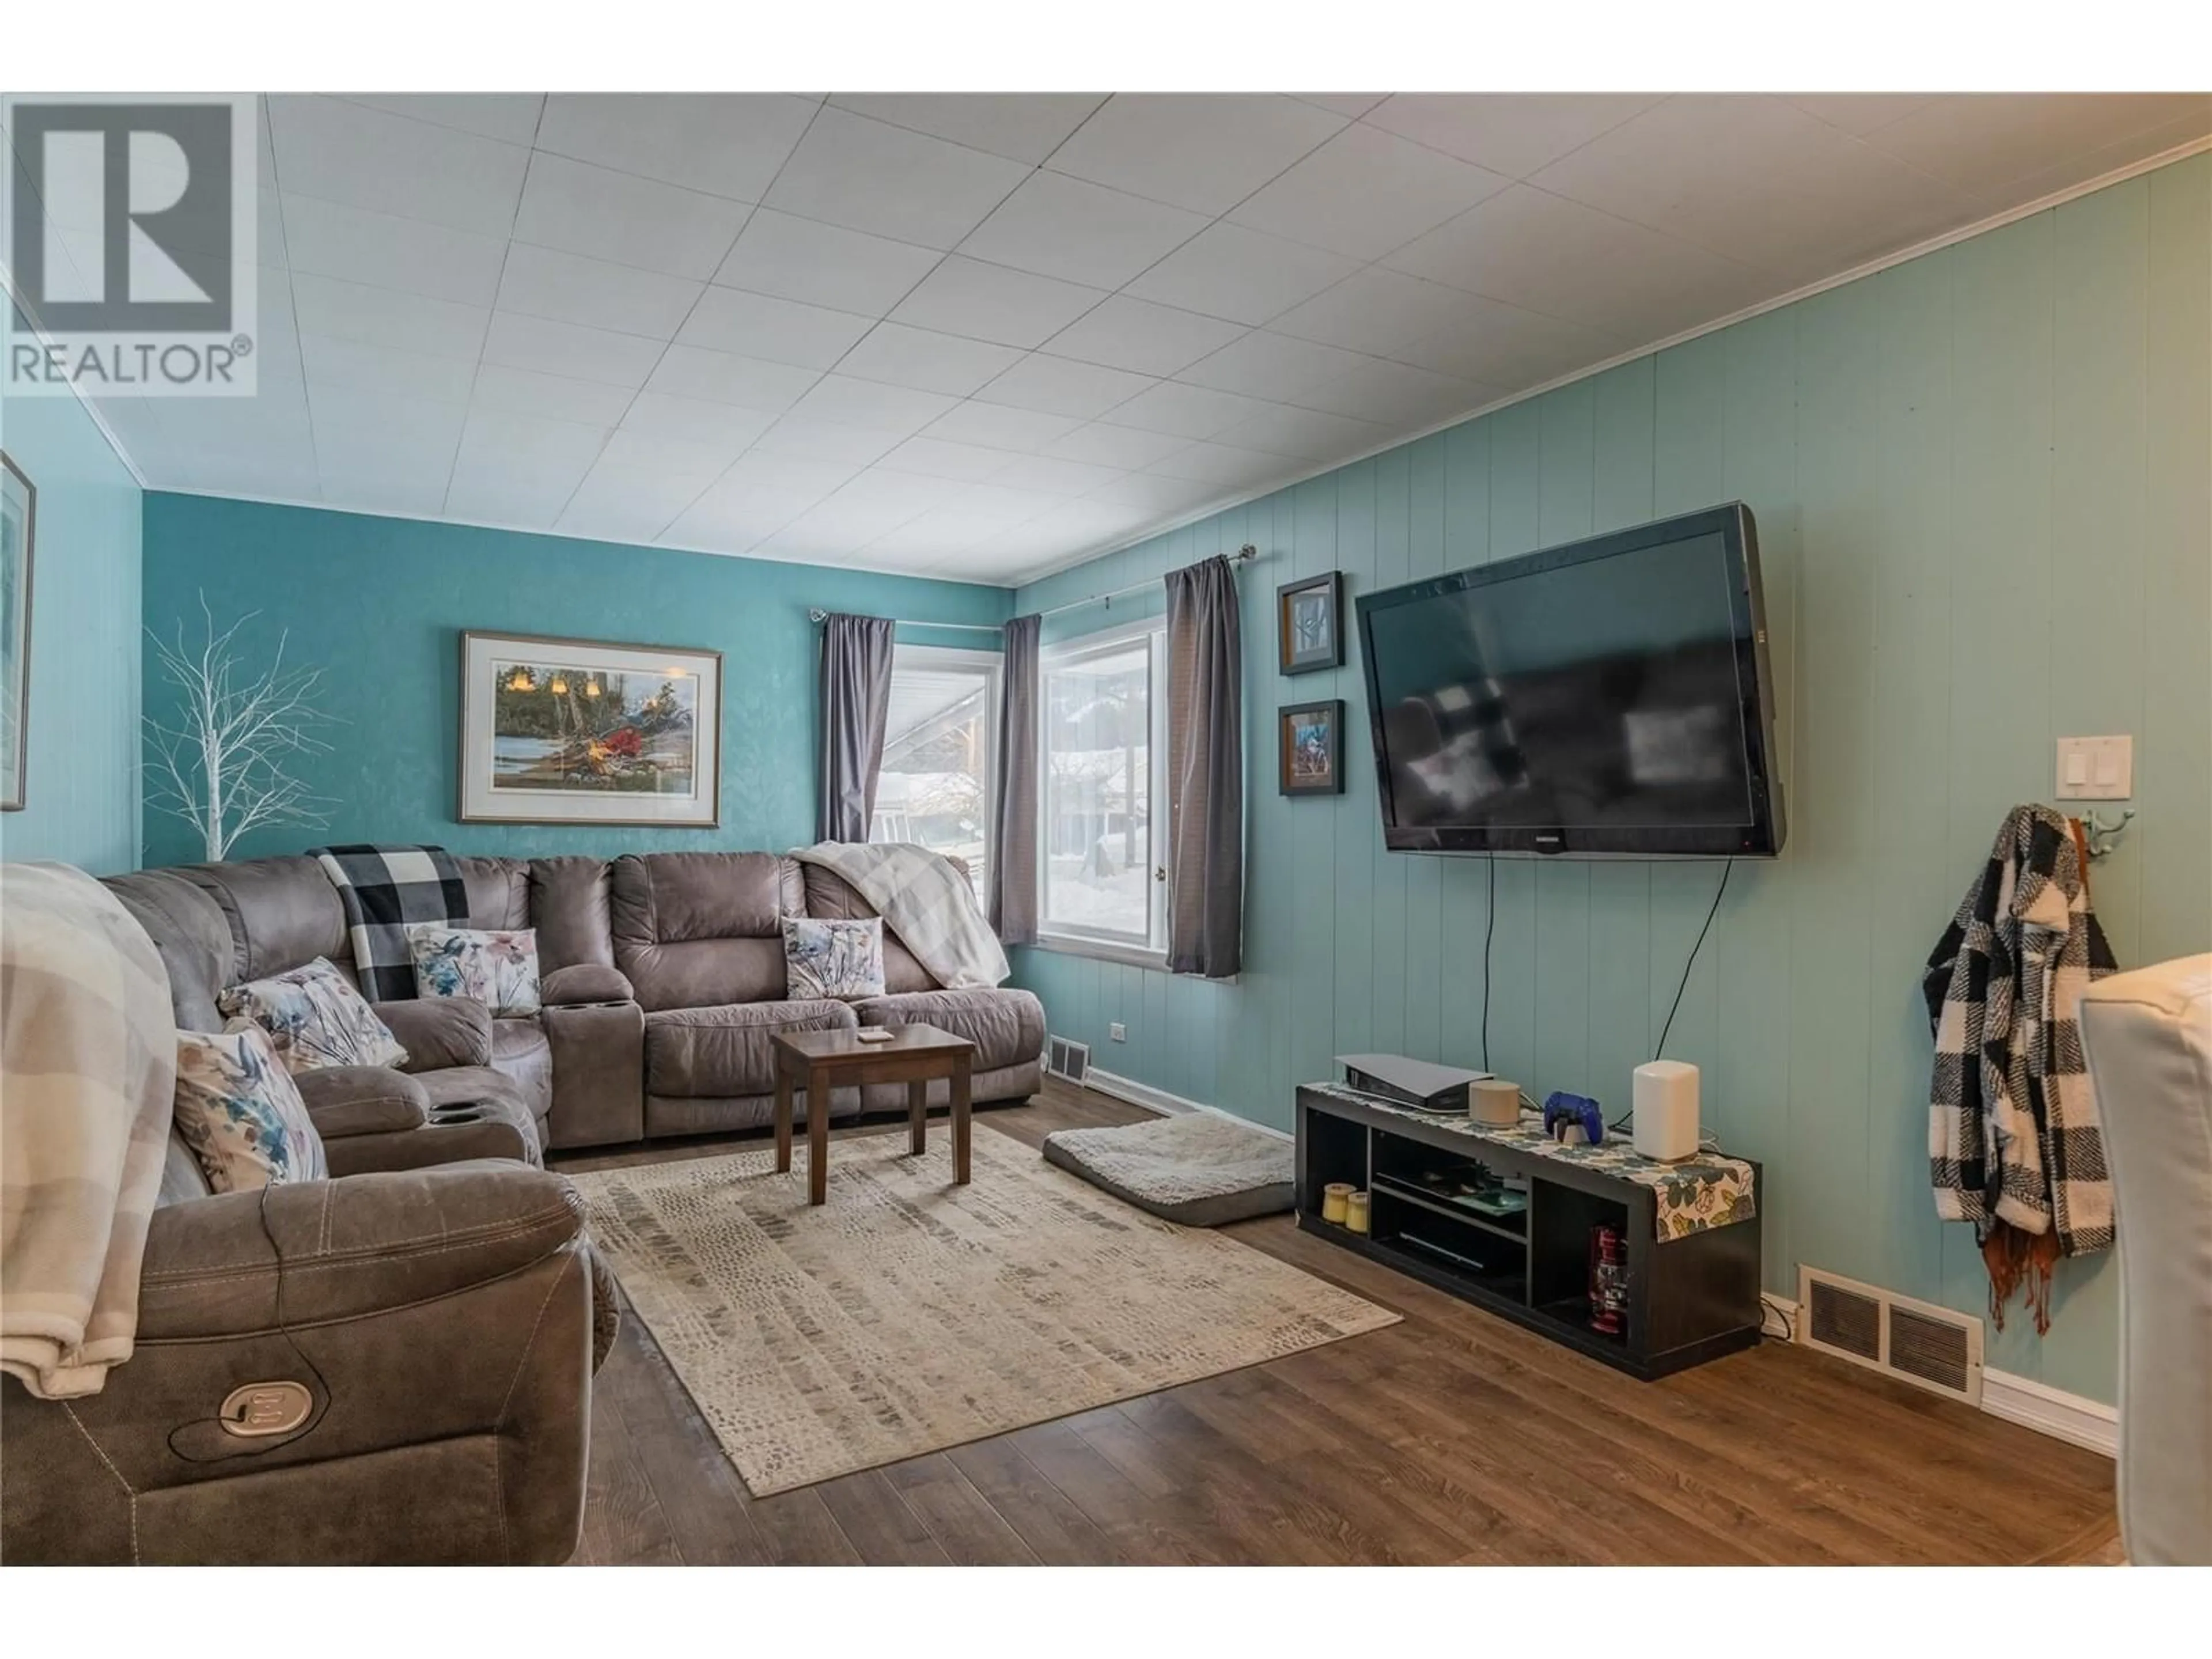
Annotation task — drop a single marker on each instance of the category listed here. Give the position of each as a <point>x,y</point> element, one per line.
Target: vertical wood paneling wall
<point>1984,486</point>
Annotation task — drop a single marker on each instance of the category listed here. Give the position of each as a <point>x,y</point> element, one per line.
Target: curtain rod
<point>1243,555</point>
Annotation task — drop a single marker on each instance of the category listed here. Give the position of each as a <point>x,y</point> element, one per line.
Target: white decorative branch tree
<point>222,766</point>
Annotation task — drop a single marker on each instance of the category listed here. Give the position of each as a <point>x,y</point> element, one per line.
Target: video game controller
<point>1564,1112</point>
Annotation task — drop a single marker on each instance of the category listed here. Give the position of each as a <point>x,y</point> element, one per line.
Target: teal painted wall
<point>81,800</point>
<point>380,604</point>
<point>1980,481</point>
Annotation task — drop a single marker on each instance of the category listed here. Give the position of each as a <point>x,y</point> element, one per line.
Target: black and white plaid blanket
<point>384,890</point>
<point>2013,1133</point>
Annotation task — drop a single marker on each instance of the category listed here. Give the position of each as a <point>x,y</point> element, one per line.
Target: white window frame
<point>964,660</point>
<point>1076,941</point>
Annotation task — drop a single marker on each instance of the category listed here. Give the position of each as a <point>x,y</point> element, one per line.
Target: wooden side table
<point>916,1056</point>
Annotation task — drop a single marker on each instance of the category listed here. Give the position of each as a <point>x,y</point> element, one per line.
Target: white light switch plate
<point>1117,1032</point>
<point>2096,769</point>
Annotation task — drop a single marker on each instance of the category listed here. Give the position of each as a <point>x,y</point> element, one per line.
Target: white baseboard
<point>2073,1418</point>
<point>1160,1101</point>
<point>2062,1416</point>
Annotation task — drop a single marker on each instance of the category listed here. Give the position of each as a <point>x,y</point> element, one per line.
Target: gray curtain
<point>1012,897</point>
<point>856,702</point>
<point>1205,771</point>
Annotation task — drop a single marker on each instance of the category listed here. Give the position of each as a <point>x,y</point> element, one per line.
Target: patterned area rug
<point>908,1315</point>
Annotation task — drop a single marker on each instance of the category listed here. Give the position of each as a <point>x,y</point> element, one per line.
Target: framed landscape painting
<point>18,522</point>
<point>559,731</point>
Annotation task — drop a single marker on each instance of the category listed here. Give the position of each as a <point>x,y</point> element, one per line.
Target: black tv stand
<point>1690,1299</point>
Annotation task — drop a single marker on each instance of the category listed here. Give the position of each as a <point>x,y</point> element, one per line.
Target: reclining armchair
<point>394,1365</point>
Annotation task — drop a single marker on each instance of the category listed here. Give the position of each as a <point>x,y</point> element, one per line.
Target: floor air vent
<point>1930,1347</point>
<point>1065,1058</point>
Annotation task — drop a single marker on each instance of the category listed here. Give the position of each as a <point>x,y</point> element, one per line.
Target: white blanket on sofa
<point>89,1044</point>
<point>924,898</point>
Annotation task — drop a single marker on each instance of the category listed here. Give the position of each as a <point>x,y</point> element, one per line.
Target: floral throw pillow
<point>314,1017</point>
<point>238,1111</point>
<point>497,968</point>
<point>840,960</point>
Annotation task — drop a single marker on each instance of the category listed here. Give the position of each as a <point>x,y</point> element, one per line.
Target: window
<point>934,789</point>
<point>1103,723</point>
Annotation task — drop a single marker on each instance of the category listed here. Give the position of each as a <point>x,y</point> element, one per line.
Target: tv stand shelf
<point>1689,1299</point>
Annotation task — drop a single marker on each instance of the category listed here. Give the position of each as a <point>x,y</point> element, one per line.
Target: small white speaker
<point>1665,1107</point>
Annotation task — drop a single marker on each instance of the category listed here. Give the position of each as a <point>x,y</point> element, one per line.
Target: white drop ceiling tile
<point>795,259</point>
<point>1271,366</point>
<point>364,158</point>
<point>1061,227</point>
<point>1203,151</point>
<point>778,330</point>
<point>1021,126</point>
<point>555,397</point>
<point>605,214</point>
<point>1145,338</point>
<point>938,458</point>
<point>1224,464</point>
<point>724,377</point>
<point>350,365</point>
<point>1985,142</point>
<point>1545,254</point>
<point>570,349</point>
<point>495,439</point>
<point>990,302</point>
<point>1240,275</point>
<point>1861,112</point>
<point>1512,133</point>
<point>1125,449</point>
<point>887,487</point>
<point>644,453</point>
<point>1366,192</point>
<point>1187,411</point>
<point>941,534</point>
<point>836,529</point>
<point>386,317</point>
<point>825,440</point>
<point>1059,386</point>
<point>923,358</point>
<point>1395,395</point>
<point>329,238</point>
<point>997,504</point>
<point>2084,166</point>
<point>1155,493</point>
<point>727,144</point>
<point>1055,477</point>
<point>756,497</point>
<point>616,504</point>
<point>1307,434</point>
<point>513,498</point>
<point>996,426</point>
<point>363,435</point>
<point>657,416</point>
<point>569,287</point>
<point>1759,181</point>
<point>511,117</point>
<point>1375,311</point>
<point>888,181</point>
<point>1504,346</point>
<point>897,409</point>
<point>1351,105</point>
<point>369,489</point>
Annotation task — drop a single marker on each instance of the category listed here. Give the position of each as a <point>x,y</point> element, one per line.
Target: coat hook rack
<point>2101,837</point>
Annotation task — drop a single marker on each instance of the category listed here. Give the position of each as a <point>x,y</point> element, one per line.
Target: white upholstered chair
<point>2149,1036</point>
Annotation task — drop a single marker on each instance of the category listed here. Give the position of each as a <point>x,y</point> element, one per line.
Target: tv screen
<point>1607,697</point>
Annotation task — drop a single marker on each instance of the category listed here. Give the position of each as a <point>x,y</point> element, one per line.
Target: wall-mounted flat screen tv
<point>1608,697</point>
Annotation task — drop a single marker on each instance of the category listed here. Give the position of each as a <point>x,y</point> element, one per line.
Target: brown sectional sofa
<point>439,1298</point>
<point>662,979</point>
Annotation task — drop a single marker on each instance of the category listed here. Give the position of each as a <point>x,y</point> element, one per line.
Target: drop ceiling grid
<point>1330,353</point>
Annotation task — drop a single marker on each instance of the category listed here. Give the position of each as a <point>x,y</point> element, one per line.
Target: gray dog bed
<point>1200,1168</point>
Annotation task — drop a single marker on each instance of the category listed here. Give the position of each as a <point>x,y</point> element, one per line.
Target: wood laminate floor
<point>1453,1437</point>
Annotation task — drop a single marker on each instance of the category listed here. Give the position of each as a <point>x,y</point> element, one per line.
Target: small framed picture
<point>1307,631</point>
<point>1311,742</point>
<point>19,518</point>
